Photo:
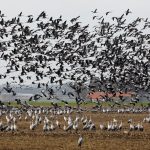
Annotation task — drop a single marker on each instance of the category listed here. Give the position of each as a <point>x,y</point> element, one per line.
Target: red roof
<point>100,95</point>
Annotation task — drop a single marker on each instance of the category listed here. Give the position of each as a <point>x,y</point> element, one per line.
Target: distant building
<point>102,95</point>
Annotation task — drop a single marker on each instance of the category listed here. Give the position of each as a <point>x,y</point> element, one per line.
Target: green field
<point>46,103</point>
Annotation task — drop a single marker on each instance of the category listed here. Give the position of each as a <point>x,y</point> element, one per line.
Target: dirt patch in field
<point>24,139</point>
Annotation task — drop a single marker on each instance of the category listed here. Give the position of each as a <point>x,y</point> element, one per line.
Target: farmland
<point>24,138</point>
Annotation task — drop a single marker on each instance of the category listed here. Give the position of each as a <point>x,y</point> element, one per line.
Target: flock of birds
<point>47,53</point>
<point>44,52</point>
<point>67,120</point>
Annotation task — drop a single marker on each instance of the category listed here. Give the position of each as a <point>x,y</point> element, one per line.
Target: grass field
<point>25,139</point>
<point>46,103</point>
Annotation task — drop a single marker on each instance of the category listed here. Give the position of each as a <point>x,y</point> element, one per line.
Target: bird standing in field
<point>80,141</point>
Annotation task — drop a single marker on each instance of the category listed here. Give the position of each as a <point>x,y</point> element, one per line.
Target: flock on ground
<point>61,120</point>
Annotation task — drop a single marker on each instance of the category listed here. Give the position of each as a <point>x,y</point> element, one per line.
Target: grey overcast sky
<point>73,8</point>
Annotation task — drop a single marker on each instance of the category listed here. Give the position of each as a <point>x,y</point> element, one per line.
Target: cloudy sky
<point>73,8</point>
